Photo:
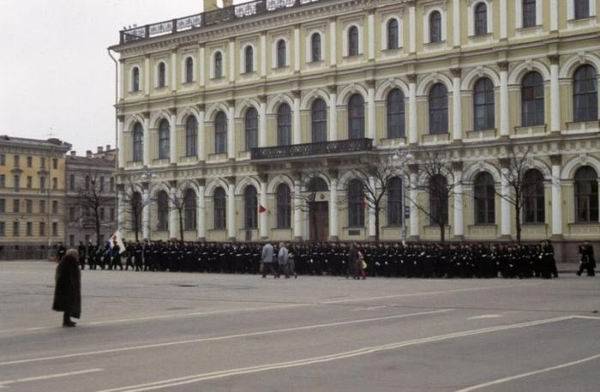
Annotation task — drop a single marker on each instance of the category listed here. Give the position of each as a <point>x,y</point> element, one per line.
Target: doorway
<point>319,220</point>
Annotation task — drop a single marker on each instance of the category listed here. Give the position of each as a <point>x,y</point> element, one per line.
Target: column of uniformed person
<point>418,260</point>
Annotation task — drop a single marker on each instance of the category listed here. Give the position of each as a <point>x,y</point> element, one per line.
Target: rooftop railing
<point>311,149</point>
<point>210,18</point>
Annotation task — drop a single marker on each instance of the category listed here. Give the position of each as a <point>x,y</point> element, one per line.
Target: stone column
<point>333,210</point>
<point>298,229</point>
<point>504,105</point>
<point>554,14</point>
<point>201,212</point>
<point>201,141</point>
<point>371,34</point>
<point>413,195</point>
<point>231,147</point>
<point>263,55</point>
<point>123,88</point>
<point>231,227</point>
<point>173,213</point>
<point>146,205</point>
<point>459,229</point>
<point>456,21</point>
<point>456,106</point>
<point>371,131</point>
<point>147,73</point>
<point>121,205</point>
<point>371,212</point>
<point>146,139</point>
<point>557,229</point>
<point>413,137</point>
<point>262,122</point>
<point>333,134</point>
<point>173,136</point>
<point>296,128</point>
<point>121,147</point>
<point>503,19</point>
<point>554,95</point>
<point>202,72</point>
<point>505,218</point>
<point>231,60</point>
<point>297,46</point>
<point>332,42</point>
<point>412,27</point>
<point>263,227</point>
<point>174,70</point>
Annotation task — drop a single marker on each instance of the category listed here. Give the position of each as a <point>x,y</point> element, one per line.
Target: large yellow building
<point>237,107</point>
<point>32,187</point>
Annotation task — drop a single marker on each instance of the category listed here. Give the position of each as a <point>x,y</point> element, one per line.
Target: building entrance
<point>319,220</point>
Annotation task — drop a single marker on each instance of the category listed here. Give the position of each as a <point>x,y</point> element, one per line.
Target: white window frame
<point>384,32</point>
<point>274,52</point>
<point>308,41</point>
<point>140,84</point>
<point>212,63</point>
<point>243,58</point>
<point>183,73</point>
<point>471,12</point>
<point>426,36</point>
<point>165,62</point>
<point>346,45</point>
<point>571,9</point>
<point>519,13</point>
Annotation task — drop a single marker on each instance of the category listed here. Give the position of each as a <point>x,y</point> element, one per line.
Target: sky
<point>56,77</point>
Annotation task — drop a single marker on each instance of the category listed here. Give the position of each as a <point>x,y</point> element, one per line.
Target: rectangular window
<point>2,206</point>
<point>54,229</point>
<point>17,183</point>
<point>42,183</point>
<point>29,206</point>
<point>29,229</point>
<point>55,163</point>
<point>2,229</point>
<point>87,238</point>
<point>2,181</point>
<point>54,183</point>
<point>29,182</point>
<point>72,214</point>
<point>55,207</point>
<point>43,163</point>
<point>42,229</point>
<point>112,214</point>
<point>42,206</point>
<point>2,159</point>
<point>101,214</point>
<point>16,161</point>
<point>72,182</point>
<point>582,9</point>
<point>101,184</point>
<point>112,184</point>
<point>29,161</point>
<point>16,229</point>
<point>16,206</point>
<point>529,11</point>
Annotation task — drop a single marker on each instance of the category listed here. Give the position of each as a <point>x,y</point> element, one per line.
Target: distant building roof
<point>51,143</point>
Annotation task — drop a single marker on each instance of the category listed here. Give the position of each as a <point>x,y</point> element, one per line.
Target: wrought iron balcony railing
<point>311,149</point>
<point>210,18</point>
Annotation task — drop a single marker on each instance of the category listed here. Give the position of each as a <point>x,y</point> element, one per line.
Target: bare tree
<point>92,198</point>
<point>177,201</point>
<point>134,203</point>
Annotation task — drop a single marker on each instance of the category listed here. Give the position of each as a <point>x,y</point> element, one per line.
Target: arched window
<point>438,199</point>
<point>438,109</point>
<point>281,54</point>
<point>250,208</point>
<point>529,13</point>
<point>220,133</point>
<point>219,209</point>
<point>480,16</point>
<point>585,94</point>
<point>392,34</point>
<point>484,192</point>
<point>356,117</point>
<point>586,195</point>
<point>138,142</point>
<point>435,27</point>
<point>191,136</point>
<point>284,125</point>
<point>532,100</point>
<point>353,41</point>
<point>317,184</point>
<point>318,113</point>
<point>218,65</point>
<point>582,9</point>
<point>483,105</point>
<point>284,206</point>
<point>395,114</point>
<point>251,128</point>
<point>533,197</point>
<point>189,70</point>
<point>315,47</point>
<point>189,210</point>
<point>162,211</point>
<point>356,204</point>
<point>136,211</point>
<point>249,59</point>
<point>394,202</point>
<point>163,139</point>
<point>162,75</point>
<point>135,79</point>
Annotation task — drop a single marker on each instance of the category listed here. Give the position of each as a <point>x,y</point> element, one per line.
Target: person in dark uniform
<point>60,251</point>
<point>587,263</point>
<point>67,293</point>
<point>82,254</point>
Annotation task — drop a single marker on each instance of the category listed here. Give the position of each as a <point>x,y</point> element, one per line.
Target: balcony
<point>210,18</point>
<point>312,149</point>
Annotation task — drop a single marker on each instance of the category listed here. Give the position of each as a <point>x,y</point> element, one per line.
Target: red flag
<point>261,209</point>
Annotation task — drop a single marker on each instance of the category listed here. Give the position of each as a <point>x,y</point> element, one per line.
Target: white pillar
<point>231,229</point>
<point>174,70</point>
<point>123,88</point>
<point>231,61</point>
<point>121,210</point>
<point>146,140</point>
<point>412,28</point>
<point>459,230</point>
<point>505,218</point>
<point>121,146</point>
<point>147,75</point>
<point>456,106</point>
<point>371,37</point>
<point>263,55</point>
<point>333,134</point>
<point>412,111</point>
<point>371,131</point>
<point>556,200</point>
<point>333,211</point>
<point>173,214</point>
<point>554,14</point>
<point>503,19</point>
<point>146,214</point>
<point>414,211</point>
<point>296,129</point>
<point>371,212</point>
<point>262,124</point>
<point>202,72</point>
<point>298,230</point>
<point>554,95</point>
<point>173,138</point>
<point>456,21</point>
<point>332,43</point>
<point>297,47</point>
<point>231,147</point>
<point>201,214</point>
<point>504,107</point>
<point>263,227</point>
<point>201,140</point>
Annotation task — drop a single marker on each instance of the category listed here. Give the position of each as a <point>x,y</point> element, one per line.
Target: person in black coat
<point>67,294</point>
<point>588,262</point>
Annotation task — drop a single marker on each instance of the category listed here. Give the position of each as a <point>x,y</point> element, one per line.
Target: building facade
<point>90,197</point>
<point>238,111</point>
<point>32,190</point>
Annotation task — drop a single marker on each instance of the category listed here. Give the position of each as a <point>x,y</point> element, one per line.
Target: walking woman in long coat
<point>67,294</point>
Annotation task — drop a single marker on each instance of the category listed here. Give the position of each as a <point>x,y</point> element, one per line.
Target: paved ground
<point>224,333</point>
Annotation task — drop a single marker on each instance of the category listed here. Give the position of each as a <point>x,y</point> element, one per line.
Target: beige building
<point>241,106</point>
<point>32,190</point>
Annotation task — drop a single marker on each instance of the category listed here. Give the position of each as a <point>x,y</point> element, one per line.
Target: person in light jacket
<point>266,260</point>
<point>283,259</point>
